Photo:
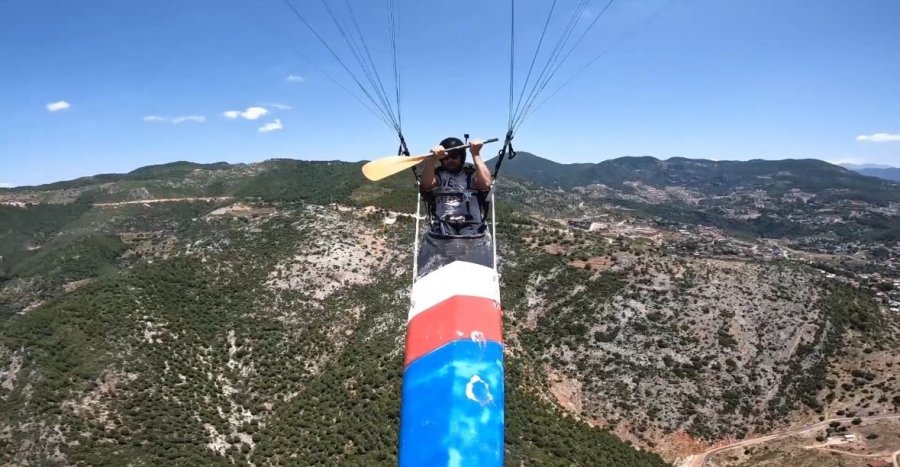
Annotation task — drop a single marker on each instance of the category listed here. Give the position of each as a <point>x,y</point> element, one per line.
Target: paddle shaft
<point>468,145</point>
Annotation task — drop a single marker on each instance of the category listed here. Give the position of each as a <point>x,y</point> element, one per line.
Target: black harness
<point>453,224</point>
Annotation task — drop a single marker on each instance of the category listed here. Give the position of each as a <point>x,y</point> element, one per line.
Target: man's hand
<point>475,147</point>
<point>428,181</point>
<point>482,174</point>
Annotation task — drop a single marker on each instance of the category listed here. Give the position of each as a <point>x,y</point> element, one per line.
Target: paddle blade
<point>387,166</point>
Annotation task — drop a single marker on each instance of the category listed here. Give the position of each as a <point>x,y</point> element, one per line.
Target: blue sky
<point>143,82</point>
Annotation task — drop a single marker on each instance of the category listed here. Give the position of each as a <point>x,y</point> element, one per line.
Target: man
<point>455,188</point>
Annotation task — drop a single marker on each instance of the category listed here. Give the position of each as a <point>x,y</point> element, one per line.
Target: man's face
<point>452,162</point>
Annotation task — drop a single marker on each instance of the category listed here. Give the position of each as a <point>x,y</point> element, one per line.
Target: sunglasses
<point>451,156</point>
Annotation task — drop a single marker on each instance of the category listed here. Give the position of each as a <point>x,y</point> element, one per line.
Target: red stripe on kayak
<point>457,318</point>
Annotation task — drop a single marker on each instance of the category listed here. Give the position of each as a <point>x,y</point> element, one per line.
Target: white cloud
<point>189,118</point>
<point>295,79</point>
<point>58,105</point>
<point>252,113</point>
<point>279,106</point>
<point>271,126</point>
<point>879,137</point>
<point>176,120</point>
<point>6,185</point>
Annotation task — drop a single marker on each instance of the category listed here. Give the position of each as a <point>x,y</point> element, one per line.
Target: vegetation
<point>846,310</point>
<point>179,334</point>
<point>24,229</point>
<point>711,177</point>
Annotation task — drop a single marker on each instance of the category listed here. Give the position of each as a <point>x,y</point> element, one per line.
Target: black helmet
<point>452,142</point>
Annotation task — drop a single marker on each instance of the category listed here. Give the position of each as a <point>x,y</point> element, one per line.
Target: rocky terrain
<point>675,352</point>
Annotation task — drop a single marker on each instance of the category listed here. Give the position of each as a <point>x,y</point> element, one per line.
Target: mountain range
<point>880,171</point>
<point>706,176</point>
<point>222,314</point>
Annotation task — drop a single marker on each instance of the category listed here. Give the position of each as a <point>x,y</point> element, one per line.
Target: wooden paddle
<point>387,166</point>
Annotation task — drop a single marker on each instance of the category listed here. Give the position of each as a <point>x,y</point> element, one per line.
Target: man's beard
<point>455,169</point>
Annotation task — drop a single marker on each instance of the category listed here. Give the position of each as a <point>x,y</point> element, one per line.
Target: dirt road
<point>699,460</point>
<point>160,200</point>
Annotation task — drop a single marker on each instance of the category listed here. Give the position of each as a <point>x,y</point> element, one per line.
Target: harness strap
<point>468,192</point>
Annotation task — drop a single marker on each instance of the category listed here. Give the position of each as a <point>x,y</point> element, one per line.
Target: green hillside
<point>187,354</point>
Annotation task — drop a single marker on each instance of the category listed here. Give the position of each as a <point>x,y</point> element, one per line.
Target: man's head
<point>454,160</point>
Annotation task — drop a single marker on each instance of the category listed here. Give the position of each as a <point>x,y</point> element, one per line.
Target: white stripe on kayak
<point>456,278</point>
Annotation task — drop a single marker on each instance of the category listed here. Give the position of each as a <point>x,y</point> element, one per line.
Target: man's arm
<point>482,174</point>
<point>428,181</point>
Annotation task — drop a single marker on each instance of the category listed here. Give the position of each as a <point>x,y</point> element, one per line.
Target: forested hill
<point>271,180</point>
<point>705,176</point>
